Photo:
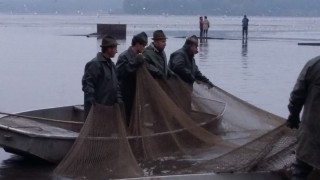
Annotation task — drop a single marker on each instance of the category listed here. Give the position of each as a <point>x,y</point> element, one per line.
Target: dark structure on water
<point>118,31</point>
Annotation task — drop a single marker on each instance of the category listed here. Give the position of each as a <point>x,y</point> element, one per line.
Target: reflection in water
<point>244,51</point>
<point>203,49</point>
<point>18,167</point>
<point>244,54</point>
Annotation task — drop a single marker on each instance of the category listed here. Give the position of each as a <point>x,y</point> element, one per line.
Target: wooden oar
<point>42,119</point>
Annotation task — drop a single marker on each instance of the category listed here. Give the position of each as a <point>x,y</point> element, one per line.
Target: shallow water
<point>42,61</point>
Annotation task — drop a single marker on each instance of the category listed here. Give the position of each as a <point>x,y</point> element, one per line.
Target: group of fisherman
<point>107,83</point>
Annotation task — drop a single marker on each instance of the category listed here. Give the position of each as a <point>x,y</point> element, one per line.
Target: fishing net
<point>101,150</point>
<point>177,129</point>
<point>167,123</point>
<point>264,143</point>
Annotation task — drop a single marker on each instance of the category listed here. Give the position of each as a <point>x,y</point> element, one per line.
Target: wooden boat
<point>49,133</point>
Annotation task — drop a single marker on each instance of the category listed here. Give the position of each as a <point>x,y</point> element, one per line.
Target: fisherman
<point>245,24</point>
<point>99,83</point>
<point>182,63</point>
<point>155,56</point>
<point>306,95</point>
<point>127,64</point>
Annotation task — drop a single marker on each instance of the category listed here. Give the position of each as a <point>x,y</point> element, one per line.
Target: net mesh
<point>166,122</point>
<point>101,150</point>
<point>178,129</point>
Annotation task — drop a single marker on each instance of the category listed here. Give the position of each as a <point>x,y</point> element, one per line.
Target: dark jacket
<point>245,22</point>
<point>156,62</point>
<point>100,83</point>
<point>306,94</point>
<point>126,68</point>
<point>182,63</point>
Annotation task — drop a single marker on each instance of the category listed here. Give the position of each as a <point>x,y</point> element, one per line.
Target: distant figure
<point>206,25</point>
<point>100,83</point>
<point>306,96</point>
<point>127,65</point>
<point>245,24</point>
<point>155,56</point>
<point>183,64</point>
<point>201,26</point>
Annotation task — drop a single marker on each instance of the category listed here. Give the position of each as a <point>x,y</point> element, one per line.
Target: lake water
<point>43,57</point>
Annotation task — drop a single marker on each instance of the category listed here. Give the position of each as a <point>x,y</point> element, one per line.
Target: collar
<point>101,57</point>
<point>186,48</point>
<point>131,52</point>
<point>154,48</point>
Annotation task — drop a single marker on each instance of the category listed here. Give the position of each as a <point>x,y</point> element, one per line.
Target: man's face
<point>160,44</point>
<point>194,48</point>
<point>112,51</point>
<point>140,48</point>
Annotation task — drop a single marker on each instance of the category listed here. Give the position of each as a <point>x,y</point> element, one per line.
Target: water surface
<point>43,57</point>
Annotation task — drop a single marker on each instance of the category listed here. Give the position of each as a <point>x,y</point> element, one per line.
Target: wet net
<point>101,150</point>
<point>264,143</point>
<point>178,129</point>
<point>166,121</point>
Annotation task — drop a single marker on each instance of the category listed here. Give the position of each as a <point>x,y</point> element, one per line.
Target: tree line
<point>224,7</point>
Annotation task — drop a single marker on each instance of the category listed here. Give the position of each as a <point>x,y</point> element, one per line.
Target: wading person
<point>155,56</point>
<point>99,83</point>
<point>201,26</point>
<point>245,24</point>
<point>206,25</point>
<point>127,65</point>
<point>306,95</point>
<point>183,64</point>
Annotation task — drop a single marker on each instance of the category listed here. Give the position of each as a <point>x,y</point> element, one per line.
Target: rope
<point>43,119</point>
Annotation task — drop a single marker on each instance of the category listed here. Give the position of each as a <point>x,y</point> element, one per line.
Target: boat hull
<point>49,149</point>
<point>38,138</point>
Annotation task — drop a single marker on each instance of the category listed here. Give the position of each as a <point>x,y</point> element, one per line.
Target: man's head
<point>205,17</point>
<point>245,16</point>
<point>200,17</point>
<point>192,44</point>
<point>159,40</point>
<point>109,46</point>
<point>139,41</point>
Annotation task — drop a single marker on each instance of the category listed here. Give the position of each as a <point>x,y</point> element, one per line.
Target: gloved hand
<point>120,101</point>
<point>139,59</point>
<point>210,85</point>
<point>121,106</point>
<point>293,121</point>
<point>92,101</point>
<point>171,75</point>
<point>157,75</point>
